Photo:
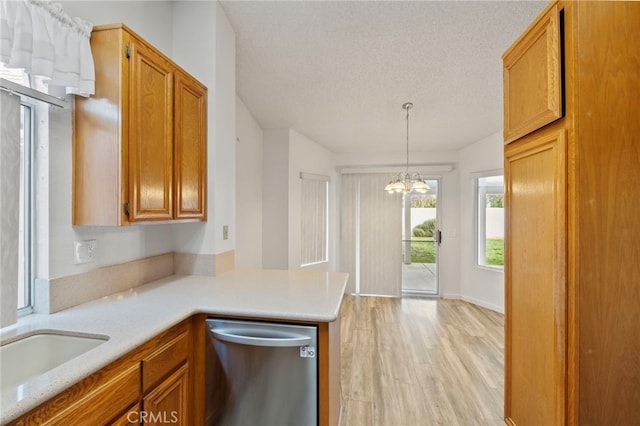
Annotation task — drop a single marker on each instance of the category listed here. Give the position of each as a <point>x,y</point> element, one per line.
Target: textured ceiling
<point>339,71</point>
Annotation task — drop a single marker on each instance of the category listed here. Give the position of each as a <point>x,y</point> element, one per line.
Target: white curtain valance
<point>37,36</point>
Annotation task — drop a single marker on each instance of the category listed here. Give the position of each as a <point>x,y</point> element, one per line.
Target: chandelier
<point>407,182</point>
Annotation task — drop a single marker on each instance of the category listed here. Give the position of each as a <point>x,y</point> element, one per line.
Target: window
<point>490,221</point>
<point>314,218</point>
<point>25,194</point>
<point>25,276</point>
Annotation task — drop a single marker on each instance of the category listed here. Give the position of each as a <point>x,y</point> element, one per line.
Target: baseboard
<point>451,296</point>
<point>482,303</point>
<point>496,308</point>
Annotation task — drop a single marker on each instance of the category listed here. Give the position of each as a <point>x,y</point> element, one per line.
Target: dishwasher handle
<point>244,337</point>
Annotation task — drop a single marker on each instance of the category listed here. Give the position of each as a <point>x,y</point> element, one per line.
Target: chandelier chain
<point>407,182</point>
<point>407,106</point>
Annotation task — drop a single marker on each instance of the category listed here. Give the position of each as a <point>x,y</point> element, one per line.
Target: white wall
<point>249,189</point>
<point>149,19</point>
<point>286,154</point>
<point>183,31</point>
<point>224,211</point>
<point>275,199</point>
<point>482,286</point>
<point>204,44</point>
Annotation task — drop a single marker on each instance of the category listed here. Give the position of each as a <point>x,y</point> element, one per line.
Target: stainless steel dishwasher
<point>261,373</point>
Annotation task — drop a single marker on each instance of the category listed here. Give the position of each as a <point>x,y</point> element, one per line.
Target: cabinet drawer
<point>533,78</point>
<point>91,403</point>
<point>163,361</point>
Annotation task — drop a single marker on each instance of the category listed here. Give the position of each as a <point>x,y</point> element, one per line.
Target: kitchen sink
<point>40,351</point>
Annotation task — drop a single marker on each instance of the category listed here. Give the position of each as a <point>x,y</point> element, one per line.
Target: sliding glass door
<point>420,241</point>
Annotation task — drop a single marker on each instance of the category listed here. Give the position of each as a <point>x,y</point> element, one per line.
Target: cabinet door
<point>168,402</point>
<point>532,78</point>
<point>535,278</point>
<point>150,135</point>
<point>190,148</point>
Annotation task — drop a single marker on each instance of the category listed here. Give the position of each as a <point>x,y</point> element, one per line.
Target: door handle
<point>245,337</point>
<point>438,237</point>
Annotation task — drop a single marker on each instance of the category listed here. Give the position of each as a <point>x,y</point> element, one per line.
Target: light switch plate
<point>84,251</point>
<point>225,232</point>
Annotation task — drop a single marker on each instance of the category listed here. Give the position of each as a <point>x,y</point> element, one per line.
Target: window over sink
<point>25,159</point>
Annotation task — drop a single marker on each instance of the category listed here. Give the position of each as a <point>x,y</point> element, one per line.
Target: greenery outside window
<point>490,221</point>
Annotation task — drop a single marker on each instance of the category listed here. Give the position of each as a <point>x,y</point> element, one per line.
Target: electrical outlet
<point>225,232</point>
<point>85,251</point>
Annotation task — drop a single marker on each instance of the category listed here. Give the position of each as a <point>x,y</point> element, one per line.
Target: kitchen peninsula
<point>149,325</point>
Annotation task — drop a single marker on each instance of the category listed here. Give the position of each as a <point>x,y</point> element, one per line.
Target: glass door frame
<point>437,240</point>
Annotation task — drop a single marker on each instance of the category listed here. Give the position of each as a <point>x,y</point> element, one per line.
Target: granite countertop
<point>132,317</point>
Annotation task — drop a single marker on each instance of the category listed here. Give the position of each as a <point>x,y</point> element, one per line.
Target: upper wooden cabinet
<point>139,145</point>
<point>532,78</point>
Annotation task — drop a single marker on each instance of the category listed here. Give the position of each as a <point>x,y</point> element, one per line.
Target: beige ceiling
<point>338,72</point>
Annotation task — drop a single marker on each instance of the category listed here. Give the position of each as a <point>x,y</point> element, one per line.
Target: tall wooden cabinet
<point>572,173</point>
<point>140,142</point>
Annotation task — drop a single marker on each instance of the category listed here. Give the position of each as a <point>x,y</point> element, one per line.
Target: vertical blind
<point>371,235</point>
<point>9,205</point>
<point>314,218</point>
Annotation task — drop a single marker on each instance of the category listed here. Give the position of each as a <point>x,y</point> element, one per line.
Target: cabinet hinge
<point>126,209</point>
<point>126,51</point>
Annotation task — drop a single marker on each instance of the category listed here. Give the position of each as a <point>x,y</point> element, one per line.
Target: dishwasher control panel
<point>307,352</point>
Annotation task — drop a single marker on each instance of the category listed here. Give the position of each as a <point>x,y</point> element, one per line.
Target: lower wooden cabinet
<point>149,385</point>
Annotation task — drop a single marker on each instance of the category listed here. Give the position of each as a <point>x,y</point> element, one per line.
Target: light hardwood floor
<point>415,361</point>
